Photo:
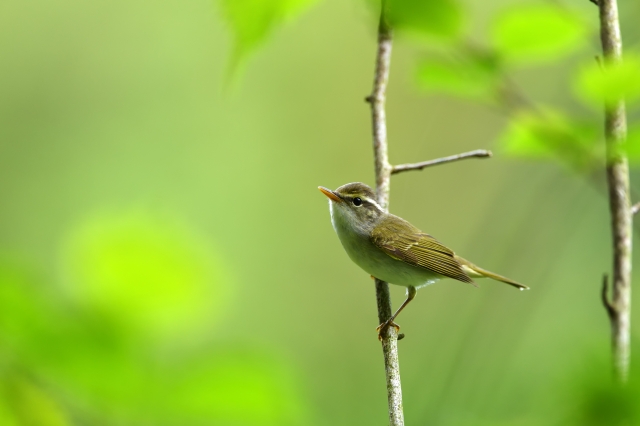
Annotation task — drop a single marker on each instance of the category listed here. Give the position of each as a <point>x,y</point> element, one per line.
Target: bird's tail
<point>476,271</point>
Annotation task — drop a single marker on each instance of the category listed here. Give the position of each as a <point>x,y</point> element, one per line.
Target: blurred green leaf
<point>597,86</point>
<point>80,352</point>
<point>23,403</point>
<point>147,271</point>
<point>536,33</point>
<point>473,76</point>
<point>440,18</point>
<point>108,375</point>
<point>551,135</point>
<point>251,21</point>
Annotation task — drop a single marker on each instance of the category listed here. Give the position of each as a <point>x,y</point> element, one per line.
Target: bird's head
<point>354,203</point>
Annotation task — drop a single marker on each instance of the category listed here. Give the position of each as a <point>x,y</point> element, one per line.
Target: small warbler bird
<point>391,249</point>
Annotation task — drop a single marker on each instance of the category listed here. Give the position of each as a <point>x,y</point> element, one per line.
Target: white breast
<point>373,260</point>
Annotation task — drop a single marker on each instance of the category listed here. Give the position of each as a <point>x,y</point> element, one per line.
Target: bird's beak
<point>330,194</point>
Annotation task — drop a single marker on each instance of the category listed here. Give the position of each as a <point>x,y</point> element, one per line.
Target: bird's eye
<point>357,201</point>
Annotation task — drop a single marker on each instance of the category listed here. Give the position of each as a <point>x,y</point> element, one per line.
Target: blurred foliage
<point>551,135</point>
<point>251,21</point>
<point>597,84</point>
<point>473,75</point>
<point>442,19</point>
<point>147,271</point>
<point>536,32</point>
<point>137,281</point>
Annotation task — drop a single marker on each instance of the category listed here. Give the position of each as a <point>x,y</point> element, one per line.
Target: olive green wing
<point>403,241</point>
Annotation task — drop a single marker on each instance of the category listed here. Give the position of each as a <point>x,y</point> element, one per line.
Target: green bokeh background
<point>166,259</point>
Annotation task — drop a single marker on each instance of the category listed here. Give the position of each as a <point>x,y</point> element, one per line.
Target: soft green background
<point>166,259</point>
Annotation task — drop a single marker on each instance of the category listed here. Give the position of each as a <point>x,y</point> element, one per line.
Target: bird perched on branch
<point>393,250</point>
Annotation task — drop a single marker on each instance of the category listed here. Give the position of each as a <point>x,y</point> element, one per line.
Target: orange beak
<point>330,194</point>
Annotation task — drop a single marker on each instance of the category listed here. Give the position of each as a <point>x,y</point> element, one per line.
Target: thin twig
<point>478,153</point>
<point>611,310</point>
<point>615,127</point>
<point>377,98</point>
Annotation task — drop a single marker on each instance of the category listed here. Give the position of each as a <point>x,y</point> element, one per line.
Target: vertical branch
<point>615,127</point>
<point>378,116</point>
<point>383,176</point>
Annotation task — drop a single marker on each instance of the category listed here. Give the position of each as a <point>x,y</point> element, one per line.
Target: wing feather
<point>405,242</point>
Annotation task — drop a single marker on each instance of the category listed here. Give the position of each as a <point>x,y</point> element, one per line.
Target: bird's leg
<point>411,293</point>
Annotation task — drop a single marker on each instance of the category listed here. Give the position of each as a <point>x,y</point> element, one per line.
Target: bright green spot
<point>441,18</point>
<point>474,76</point>
<point>251,21</point>
<point>536,33</point>
<point>550,135</point>
<point>146,271</point>
<point>598,84</point>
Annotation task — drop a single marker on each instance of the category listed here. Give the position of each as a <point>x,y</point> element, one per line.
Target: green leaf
<point>439,18</point>
<point>597,84</point>
<point>251,21</point>
<point>550,135</point>
<point>536,33</point>
<point>473,76</point>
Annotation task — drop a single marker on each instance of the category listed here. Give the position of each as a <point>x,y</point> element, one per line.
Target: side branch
<point>478,153</point>
<point>608,306</point>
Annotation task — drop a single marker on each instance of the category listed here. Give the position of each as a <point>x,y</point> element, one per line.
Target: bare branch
<point>615,128</point>
<point>377,99</point>
<point>478,153</point>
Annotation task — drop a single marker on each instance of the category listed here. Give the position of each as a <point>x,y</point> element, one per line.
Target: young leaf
<point>536,33</point>
<point>439,18</point>
<point>597,85</point>
<point>550,135</point>
<point>251,21</point>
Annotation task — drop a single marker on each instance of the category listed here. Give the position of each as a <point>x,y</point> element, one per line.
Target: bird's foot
<point>381,329</point>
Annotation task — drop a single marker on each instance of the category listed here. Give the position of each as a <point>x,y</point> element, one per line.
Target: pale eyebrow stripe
<point>375,203</point>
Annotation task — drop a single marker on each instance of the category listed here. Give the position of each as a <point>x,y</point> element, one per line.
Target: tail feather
<point>476,271</point>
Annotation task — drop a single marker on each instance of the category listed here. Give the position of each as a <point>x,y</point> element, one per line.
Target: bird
<point>391,249</point>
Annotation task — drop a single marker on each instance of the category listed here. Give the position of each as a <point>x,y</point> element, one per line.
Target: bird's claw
<point>382,327</point>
